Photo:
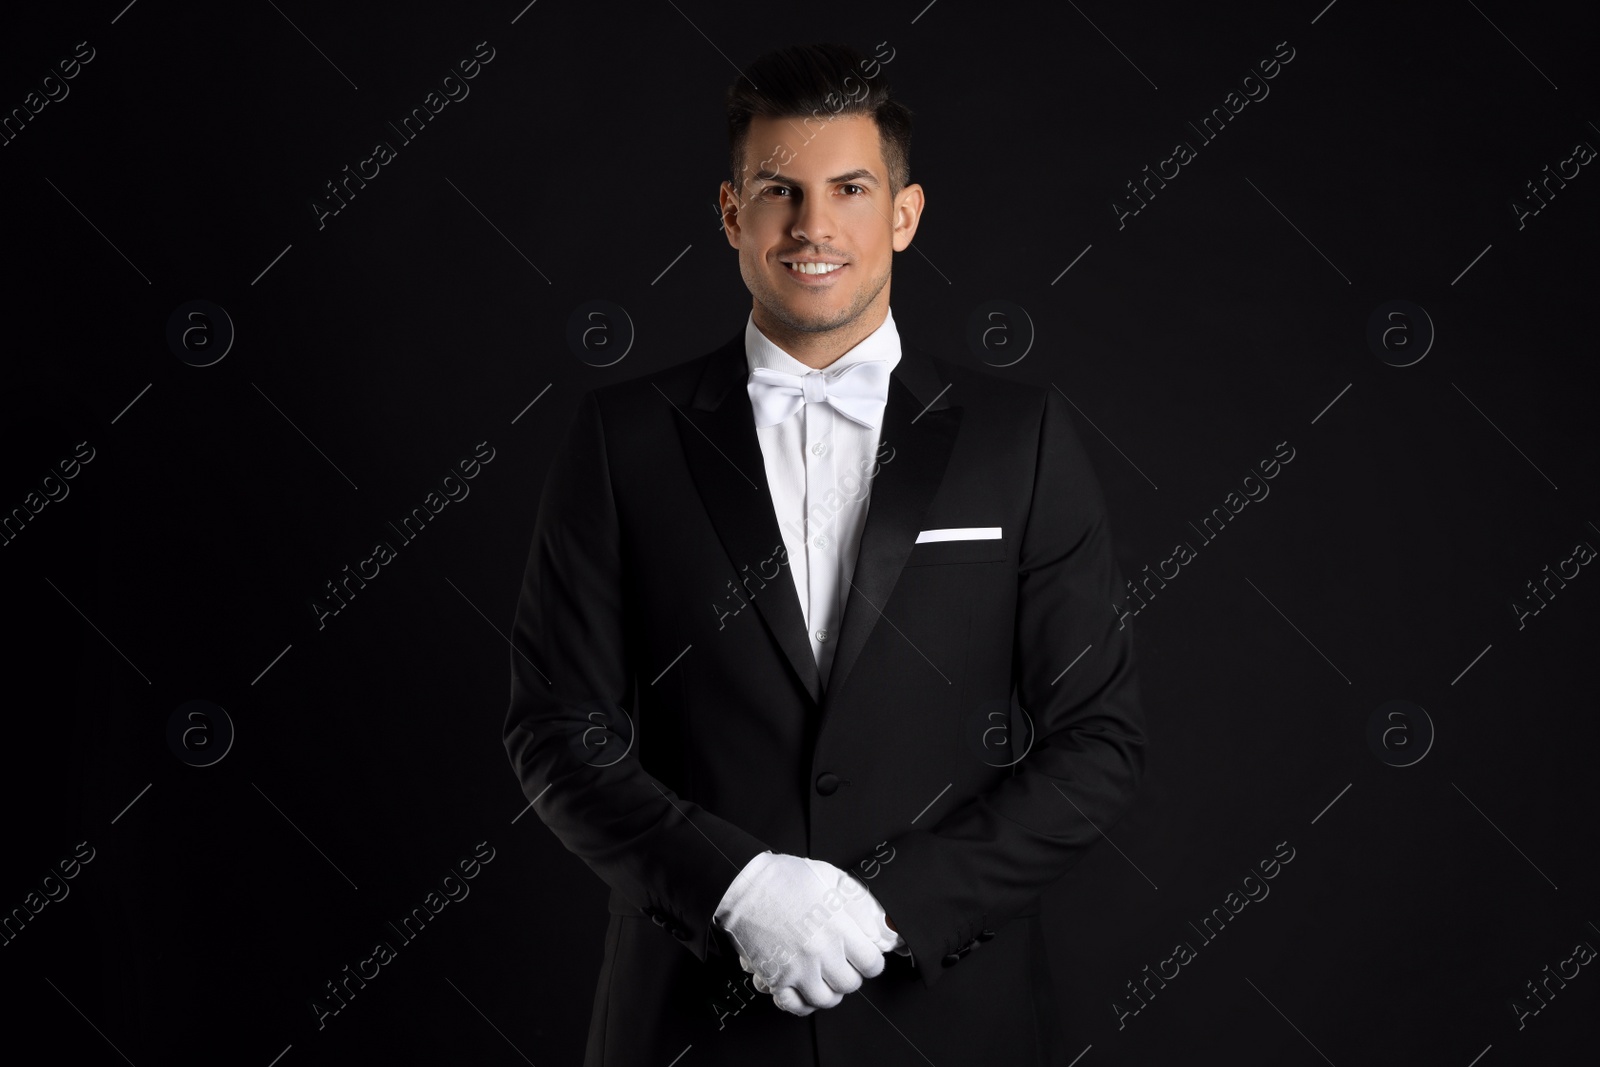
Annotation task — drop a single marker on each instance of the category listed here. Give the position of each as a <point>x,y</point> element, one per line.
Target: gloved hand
<point>862,906</point>
<point>796,932</point>
<point>859,904</point>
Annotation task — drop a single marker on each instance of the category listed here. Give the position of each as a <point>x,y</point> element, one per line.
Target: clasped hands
<point>806,931</point>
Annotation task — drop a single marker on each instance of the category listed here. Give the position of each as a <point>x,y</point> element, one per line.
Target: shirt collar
<point>881,344</point>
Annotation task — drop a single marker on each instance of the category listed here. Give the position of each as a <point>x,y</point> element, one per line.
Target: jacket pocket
<point>975,550</point>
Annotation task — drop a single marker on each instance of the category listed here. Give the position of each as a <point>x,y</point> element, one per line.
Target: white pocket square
<point>961,533</point>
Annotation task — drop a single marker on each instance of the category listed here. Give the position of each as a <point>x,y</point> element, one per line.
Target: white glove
<point>863,907</point>
<point>796,933</point>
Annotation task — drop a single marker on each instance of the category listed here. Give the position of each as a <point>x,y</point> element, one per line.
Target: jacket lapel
<point>919,425</point>
<point>724,455</point>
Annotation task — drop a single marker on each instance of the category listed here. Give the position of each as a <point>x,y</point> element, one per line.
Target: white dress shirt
<point>819,466</point>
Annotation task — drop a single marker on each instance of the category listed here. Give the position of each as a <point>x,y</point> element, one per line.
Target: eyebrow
<point>860,174</point>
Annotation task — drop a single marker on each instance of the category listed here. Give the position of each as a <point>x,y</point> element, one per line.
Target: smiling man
<point>838,811</point>
<point>817,234</point>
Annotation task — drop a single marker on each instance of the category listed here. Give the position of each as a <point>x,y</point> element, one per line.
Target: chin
<point>812,320</point>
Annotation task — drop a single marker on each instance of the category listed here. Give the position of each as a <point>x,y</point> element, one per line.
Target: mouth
<point>813,273</point>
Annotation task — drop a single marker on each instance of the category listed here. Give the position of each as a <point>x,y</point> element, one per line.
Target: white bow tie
<point>859,392</point>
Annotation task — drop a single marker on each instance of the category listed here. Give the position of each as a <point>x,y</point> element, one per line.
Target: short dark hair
<point>810,80</point>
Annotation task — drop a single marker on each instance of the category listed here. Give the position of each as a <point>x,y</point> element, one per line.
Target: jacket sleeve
<point>952,881</point>
<point>569,730</point>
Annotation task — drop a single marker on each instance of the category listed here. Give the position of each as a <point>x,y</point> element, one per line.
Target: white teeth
<point>814,268</point>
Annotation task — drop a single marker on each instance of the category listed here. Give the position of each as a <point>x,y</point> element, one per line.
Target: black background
<point>377,351</point>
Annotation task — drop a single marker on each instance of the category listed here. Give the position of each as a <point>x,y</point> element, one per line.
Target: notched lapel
<point>920,426</point>
<point>718,432</point>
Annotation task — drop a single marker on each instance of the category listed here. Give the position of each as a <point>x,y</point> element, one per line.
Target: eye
<point>862,188</point>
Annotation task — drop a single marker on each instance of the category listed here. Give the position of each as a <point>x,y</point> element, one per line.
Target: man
<point>818,784</point>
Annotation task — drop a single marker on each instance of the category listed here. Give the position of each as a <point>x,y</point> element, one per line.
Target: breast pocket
<point>976,550</point>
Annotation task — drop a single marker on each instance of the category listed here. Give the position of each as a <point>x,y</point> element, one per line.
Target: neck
<point>820,350</point>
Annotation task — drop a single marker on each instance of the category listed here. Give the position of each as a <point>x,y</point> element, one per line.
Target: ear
<point>728,200</point>
<point>907,214</point>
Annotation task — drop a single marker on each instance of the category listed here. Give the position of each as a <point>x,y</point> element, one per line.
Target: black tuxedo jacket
<point>667,720</point>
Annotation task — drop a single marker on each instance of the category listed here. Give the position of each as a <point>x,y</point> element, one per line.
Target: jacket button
<point>827,783</point>
<point>680,933</point>
<point>951,960</point>
<point>985,935</point>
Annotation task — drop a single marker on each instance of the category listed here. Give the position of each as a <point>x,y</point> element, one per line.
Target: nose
<point>813,222</point>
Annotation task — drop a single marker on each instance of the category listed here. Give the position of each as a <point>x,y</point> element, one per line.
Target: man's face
<point>824,199</point>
